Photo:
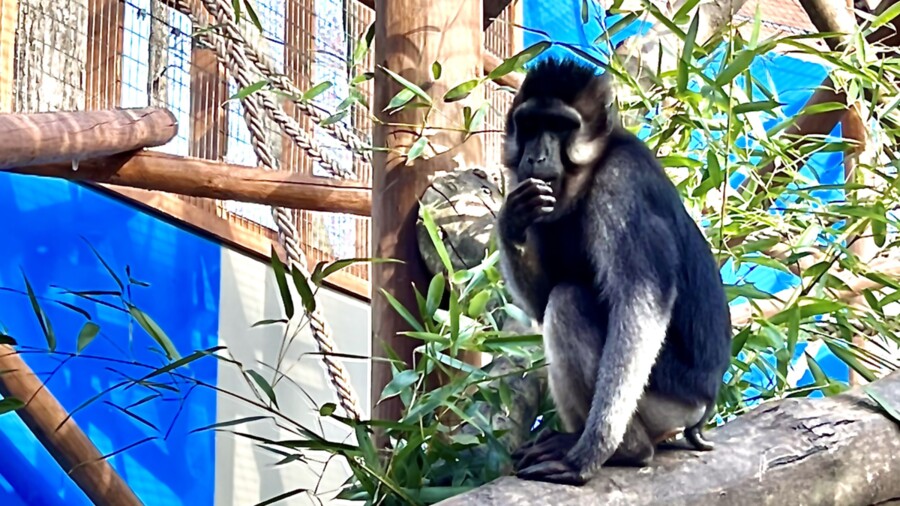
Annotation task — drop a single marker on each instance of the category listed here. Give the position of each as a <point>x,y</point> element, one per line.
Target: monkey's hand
<point>526,204</point>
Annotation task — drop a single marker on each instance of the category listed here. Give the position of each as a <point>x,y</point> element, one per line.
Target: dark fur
<point>608,259</point>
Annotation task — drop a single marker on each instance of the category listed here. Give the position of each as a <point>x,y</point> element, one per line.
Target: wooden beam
<point>409,36</point>
<point>52,137</point>
<point>60,435</point>
<point>232,234</point>
<point>196,177</point>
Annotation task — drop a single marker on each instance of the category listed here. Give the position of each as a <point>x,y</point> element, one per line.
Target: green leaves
<point>154,331</point>
<point>87,334</point>
<point>9,404</point>
<point>519,60</point>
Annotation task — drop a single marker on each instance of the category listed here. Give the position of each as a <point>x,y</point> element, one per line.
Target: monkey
<point>596,245</point>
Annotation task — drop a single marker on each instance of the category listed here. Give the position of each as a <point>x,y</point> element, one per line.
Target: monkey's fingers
<point>554,471</point>
<point>541,437</point>
<point>540,454</point>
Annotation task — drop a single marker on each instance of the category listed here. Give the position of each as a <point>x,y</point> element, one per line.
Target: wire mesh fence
<point>98,54</point>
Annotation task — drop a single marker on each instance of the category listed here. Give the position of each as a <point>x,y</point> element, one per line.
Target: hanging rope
<point>286,86</point>
<point>235,60</point>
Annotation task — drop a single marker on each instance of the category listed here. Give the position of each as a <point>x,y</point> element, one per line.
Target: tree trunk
<point>834,451</point>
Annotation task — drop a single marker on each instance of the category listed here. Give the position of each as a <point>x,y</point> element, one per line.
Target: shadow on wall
<point>246,474</point>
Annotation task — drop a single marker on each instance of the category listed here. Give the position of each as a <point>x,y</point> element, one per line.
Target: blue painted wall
<point>44,221</point>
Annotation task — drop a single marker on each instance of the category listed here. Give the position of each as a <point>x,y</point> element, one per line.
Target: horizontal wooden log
<point>835,451</point>
<point>66,442</point>
<point>197,177</point>
<point>51,137</point>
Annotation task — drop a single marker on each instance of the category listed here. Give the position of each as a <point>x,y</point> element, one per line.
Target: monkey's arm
<point>520,265</point>
<point>527,203</point>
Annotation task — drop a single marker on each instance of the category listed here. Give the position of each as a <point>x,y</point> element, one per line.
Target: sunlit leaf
<point>317,90</point>
<point>408,85</point>
<point>417,149</point>
<point>461,91</point>
<point>249,89</point>
<point>519,60</point>
<point>400,382</point>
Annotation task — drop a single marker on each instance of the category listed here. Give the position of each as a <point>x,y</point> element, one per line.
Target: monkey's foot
<point>555,471</point>
<point>553,446</point>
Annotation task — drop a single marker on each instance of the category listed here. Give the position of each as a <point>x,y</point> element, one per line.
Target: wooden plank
<point>60,435</point>
<point>9,15</point>
<point>409,36</point>
<point>232,234</point>
<point>51,137</point>
<point>196,177</point>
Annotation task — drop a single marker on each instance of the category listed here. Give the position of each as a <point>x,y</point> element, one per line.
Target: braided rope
<point>265,66</point>
<point>235,61</point>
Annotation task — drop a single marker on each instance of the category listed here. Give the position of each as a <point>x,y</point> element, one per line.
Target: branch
<point>196,177</point>
<point>60,435</point>
<point>835,450</point>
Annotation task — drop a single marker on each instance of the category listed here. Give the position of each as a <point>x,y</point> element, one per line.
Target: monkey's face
<point>541,132</point>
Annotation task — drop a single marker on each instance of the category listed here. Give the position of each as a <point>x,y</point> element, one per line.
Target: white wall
<point>245,474</point>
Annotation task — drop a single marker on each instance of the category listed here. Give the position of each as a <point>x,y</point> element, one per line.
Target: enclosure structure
<point>204,258</point>
<point>102,54</point>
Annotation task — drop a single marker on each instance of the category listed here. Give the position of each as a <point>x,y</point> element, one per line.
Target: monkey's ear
<point>597,108</point>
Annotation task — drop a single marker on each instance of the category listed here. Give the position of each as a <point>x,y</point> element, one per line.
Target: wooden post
<point>208,91</point>
<point>106,38</point>
<point>68,445</point>
<point>410,36</point>
<point>50,137</point>
<point>9,14</point>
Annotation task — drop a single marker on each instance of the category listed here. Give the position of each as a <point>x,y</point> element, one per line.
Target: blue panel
<point>44,221</point>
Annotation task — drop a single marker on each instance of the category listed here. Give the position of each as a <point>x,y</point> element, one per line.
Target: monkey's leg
<point>574,332</point>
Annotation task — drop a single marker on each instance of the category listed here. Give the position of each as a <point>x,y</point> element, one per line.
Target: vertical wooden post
<point>9,14</point>
<point>410,36</point>
<point>208,93</point>
<point>103,79</point>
